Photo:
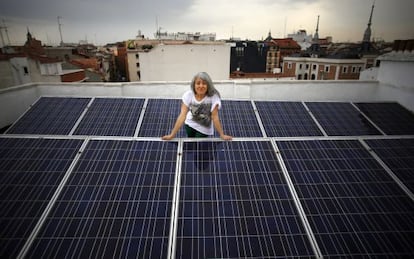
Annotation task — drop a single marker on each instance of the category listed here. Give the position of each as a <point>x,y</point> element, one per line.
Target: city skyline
<point>105,21</point>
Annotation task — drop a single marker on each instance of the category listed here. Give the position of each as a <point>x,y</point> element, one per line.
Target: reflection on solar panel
<point>286,119</point>
<point>116,203</point>
<point>50,116</point>
<point>160,116</point>
<point>341,119</point>
<point>239,120</point>
<point>392,118</point>
<point>354,207</point>
<point>234,202</point>
<point>30,171</point>
<point>398,154</point>
<point>111,117</point>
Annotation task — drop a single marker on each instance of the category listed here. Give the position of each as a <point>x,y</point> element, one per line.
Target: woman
<point>203,102</point>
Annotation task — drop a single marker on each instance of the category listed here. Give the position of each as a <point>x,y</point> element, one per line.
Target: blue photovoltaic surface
<point>353,206</point>
<point>50,116</point>
<point>341,119</point>
<point>160,116</point>
<point>235,203</point>
<point>286,119</point>
<point>392,118</point>
<point>238,119</point>
<point>30,172</point>
<point>111,117</point>
<point>398,154</point>
<point>116,203</point>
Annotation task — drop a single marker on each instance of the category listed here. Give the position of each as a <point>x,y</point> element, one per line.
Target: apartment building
<point>304,68</point>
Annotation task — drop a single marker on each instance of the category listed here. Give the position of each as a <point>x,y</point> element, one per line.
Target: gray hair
<point>211,90</point>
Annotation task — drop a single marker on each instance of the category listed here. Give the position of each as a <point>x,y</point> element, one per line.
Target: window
<point>300,66</point>
<point>359,69</point>
<point>26,70</point>
<point>354,69</point>
<point>137,64</point>
<point>307,66</point>
<point>314,67</point>
<point>344,70</point>
<point>327,68</point>
<point>289,65</point>
<point>137,56</point>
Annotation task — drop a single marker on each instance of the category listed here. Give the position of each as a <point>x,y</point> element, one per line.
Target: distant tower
<point>366,41</point>
<point>315,49</point>
<point>269,37</point>
<point>316,36</point>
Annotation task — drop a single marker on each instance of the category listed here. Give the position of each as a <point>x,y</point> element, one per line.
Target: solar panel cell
<point>398,154</point>
<point>341,119</point>
<point>391,117</point>
<point>353,206</point>
<point>239,119</point>
<point>27,184</point>
<point>160,116</point>
<point>50,116</point>
<point>238,208</point>
<point>111,117</point>
<point>107,208</point>
<point>286,119</point>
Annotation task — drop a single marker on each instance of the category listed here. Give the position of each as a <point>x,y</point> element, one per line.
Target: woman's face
<point>200,87</point>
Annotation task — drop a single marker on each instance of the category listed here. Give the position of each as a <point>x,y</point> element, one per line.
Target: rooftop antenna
<point>3,26</point>
<point>60,30</point>
<point>2,39</point>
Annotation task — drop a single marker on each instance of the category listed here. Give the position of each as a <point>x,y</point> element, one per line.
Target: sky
<point>108,21</point>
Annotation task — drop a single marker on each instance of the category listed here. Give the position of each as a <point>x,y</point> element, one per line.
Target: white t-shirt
<point>199,115</point>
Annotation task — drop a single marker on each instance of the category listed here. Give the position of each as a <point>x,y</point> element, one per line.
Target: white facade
<point>185,36</point>
<point>133,62</point>
<point>182,61</point>
<point>20,70</point>
<point>397,68</point>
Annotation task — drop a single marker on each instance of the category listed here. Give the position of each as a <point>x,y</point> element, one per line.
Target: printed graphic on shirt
<point>201,113</point>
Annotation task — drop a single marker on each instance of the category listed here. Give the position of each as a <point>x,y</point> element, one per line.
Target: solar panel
<point>107,194</point>
<point>30,172</point>
<point>116,203</point>
<point>239,119</point>
<point>50,116</point>
<point>354,207</point>
<point>286,119</point>
<point>341,119</point>
<point>111,117</point>
<point>391,117</point>
<point>235,203</point>
<point>398,154</point>
<point>160,116</point>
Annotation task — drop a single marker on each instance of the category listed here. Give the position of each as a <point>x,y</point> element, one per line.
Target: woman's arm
<point>178,123</point>
<point>217,124</point>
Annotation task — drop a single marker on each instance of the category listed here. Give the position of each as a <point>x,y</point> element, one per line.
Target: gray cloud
<point>108,20</point>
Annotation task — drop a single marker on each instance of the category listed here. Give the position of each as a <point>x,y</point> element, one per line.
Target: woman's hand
<point>226,137</point>
<point>167,137</point>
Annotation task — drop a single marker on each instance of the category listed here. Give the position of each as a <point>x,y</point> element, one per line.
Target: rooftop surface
<point>315,169</point>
